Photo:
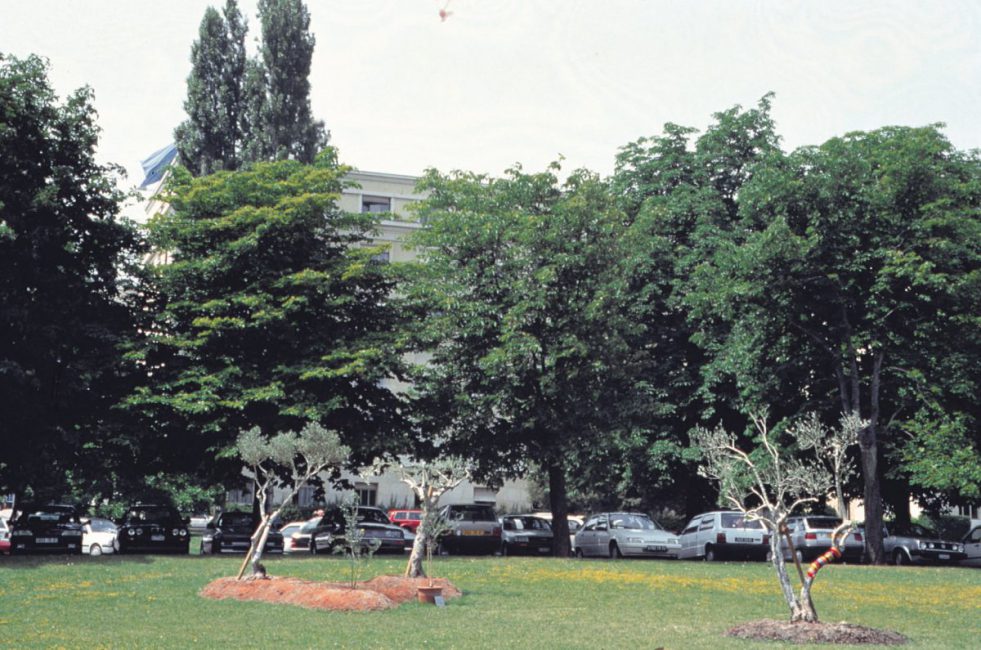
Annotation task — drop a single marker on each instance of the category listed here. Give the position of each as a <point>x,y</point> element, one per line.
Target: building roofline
<point>382,175</point>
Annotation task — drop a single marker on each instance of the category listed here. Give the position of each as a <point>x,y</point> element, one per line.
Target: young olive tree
<point>354,544</point>
<point>831,446</point>
<point>766,484</point>
<point>428,482</point>
<point>301,455</point>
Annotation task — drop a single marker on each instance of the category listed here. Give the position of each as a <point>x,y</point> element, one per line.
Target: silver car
<point>623,534</point>
<point>811,535</point>
<point>724,535</point>
<point>920,545</point>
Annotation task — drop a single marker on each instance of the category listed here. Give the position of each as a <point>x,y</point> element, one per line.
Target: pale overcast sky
<point>527,80</point>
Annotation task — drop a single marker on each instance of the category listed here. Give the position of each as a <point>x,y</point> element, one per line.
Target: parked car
<point>43,529</point>
<point>98,536</point>
<point>918,544</point>
<point>408,519</point>
<point>621,534</point>
<point>231,532</point>
<point>972,545</point>
<point>724,534</point>
<point>4,537</point>
<point>198,523</point>
<point>287,533</point>
<point>811,535</point>
<point>152,528</point>
<point>322,534</point>
<point>525,534</point>
<point>473,528</point>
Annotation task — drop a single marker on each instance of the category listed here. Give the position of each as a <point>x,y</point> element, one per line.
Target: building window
<point>304,498</point>
<point>484,495</point>
<point>381,258</point>
<point>376,204</point>
<point>367,493</point>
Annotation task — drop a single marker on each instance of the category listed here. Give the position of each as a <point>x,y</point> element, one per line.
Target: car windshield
<point>372,516</point>
<point>633,522</point>
<point>472,513</point>
<point>738,520</point>
<point>102,526</point>
<point>149,515</point>
<point>822,523</point>
<point>310,525</point>
<point>236,519</point>
<point>50,516</point>
<point>289,530</point>
<point>529,523</point>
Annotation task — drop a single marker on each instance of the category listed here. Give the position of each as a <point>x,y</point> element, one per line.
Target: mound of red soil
<point>383,592</point>
<point>839,633</point>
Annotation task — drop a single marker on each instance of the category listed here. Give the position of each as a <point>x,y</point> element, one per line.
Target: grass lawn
<point>152,602</point>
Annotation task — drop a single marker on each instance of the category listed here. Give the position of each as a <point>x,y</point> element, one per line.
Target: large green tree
<point>679,192</point>
<point>529,358</point>
<point>215,133</point>
<point>852,281</point>
<point>271,308</point>
<point>63,254</point>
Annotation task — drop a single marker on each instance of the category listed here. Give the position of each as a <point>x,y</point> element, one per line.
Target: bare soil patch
<point>383,592</point>
<point>837,633</point>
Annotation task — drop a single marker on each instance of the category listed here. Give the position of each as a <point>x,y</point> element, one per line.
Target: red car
<point>408,519</point>
<point>4,537</point>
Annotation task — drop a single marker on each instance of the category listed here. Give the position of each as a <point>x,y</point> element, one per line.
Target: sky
<point>527,81</point>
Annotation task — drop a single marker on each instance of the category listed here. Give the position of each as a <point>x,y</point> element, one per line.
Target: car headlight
<point>130,532</point>
<point>958,548</point>
<point>635,540</point>
<point>174,532</point>
<point>139,531</point>
<point>72,533</point>
<point>22,533</point>
<point>183,533</point>
<point>673,540</point>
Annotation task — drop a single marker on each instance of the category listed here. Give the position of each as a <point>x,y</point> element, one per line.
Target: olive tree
<point>300,455</point>
<point>428,482</point>
<point>768,482</point>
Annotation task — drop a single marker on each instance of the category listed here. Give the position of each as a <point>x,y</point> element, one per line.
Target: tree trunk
<point>559,505</point>
<point>872,496</point>
<point>415,569</point>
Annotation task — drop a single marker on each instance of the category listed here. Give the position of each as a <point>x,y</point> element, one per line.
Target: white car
<point>724,535</point>
<point>287,531</point>
<point>972,545</point>
<point>98,536</point>
<point>619,534</point>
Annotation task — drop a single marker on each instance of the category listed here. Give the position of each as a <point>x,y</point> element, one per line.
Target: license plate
<point>544,549</point>
<point>157,538</point>
<point>944,556</point>
<point>473,533</point>
<point>47,540</point>
<point>746,540</point>
<point>655,549</point>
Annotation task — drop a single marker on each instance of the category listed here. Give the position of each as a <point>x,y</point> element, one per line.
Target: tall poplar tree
<point>213,136</point>
<point>285,128</point>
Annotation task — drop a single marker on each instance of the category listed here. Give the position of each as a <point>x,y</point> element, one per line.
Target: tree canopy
<point>64,304</point>
<point>270,309</point>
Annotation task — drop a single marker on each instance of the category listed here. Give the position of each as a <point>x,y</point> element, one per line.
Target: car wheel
<point>579,554</point>
<point>504,550</point>
<point>95,549</point>
<point>710,554</point>
<point>313,547</point>
<point>615,553</point>
<point>900,558</point>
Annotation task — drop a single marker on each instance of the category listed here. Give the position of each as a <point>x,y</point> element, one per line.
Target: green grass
<point>152,602</point>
